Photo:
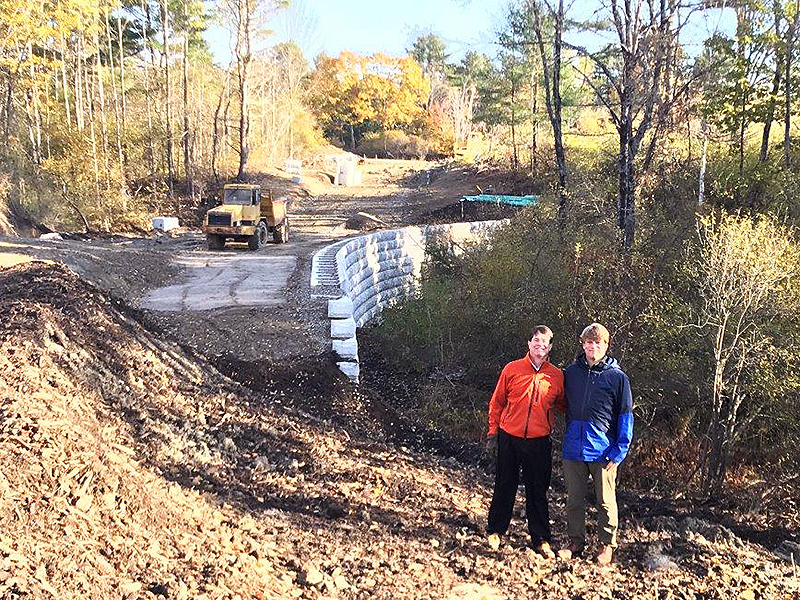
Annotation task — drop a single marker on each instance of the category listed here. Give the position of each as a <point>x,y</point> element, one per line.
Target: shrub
<point>393,144</point>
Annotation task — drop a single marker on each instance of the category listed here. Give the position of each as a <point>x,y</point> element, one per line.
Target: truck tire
<point>259,238</point>
<point>214,241</point>
<point>281,233</point>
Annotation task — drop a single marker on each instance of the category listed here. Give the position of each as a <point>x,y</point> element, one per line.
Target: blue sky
<point>388,26</point>
<point>391,26</point>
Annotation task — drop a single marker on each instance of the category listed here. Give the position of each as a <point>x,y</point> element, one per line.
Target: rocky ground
<point>141,462</point>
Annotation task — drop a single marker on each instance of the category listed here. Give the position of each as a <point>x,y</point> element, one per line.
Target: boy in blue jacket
<point>597,438</point>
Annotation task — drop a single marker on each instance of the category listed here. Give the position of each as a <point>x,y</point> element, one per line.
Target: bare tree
<point>551,69</point>
<point>246,18</point>
<point>168,98</point>
<point>215,144</point>
<point>146,23</point>
<point>186,137</point>
<point>633,71</point>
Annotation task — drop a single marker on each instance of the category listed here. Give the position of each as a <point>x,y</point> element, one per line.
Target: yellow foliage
<point>746,265</point>
<point>353,89</point>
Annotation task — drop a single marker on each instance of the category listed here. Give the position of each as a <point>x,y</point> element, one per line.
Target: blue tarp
<point>498,199</point>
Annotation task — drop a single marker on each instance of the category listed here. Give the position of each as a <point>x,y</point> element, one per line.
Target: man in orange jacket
<point>520,421</point>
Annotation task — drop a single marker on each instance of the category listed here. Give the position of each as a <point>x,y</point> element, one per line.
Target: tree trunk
<point>92,137</point>
<point>150,150</point>
<point>187,163</point>
<point>79,104</point>
<point>514,157</point>
<point>626,199</point>
<point>117,117</point>
<point>553,102</point>
<point>776,84</point>
<point>534,122</point>
<point>64,80</point>
<point>215,136</point>
<point>102,104</point>
<point>787,118</point>
<point>122,80</point>
<point>242,64</point>
<point>168,102</point>
<point>701,184</point>
<point>32,109</point>
<point>8,108</point>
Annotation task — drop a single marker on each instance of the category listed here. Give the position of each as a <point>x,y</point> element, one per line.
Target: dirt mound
<point>468,211</point>
<point>96,417</point>
<point>437,194</point>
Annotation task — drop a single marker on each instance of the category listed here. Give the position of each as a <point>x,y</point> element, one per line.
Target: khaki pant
<point>576,475</point>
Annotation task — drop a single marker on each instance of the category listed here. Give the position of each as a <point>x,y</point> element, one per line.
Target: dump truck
<point>247,214</point>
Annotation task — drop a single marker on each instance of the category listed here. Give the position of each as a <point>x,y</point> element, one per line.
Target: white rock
<point>165,223</point>
<point>350,369</point>
<point>342,329</point>
<point>340,308</point>
<point>51,236</point>
<point>346,349</point>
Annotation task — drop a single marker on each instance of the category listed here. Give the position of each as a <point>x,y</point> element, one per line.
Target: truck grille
<point>221,220</point>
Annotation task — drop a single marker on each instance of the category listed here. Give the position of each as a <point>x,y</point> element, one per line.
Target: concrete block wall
<point>380,268</point>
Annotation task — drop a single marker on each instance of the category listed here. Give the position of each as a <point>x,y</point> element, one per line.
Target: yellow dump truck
<point>247,214</point>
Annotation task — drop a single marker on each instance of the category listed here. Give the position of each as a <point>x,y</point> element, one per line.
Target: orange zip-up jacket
<point>523,401</point>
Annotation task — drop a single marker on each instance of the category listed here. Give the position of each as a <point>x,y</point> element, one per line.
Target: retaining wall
<point>380,268</point>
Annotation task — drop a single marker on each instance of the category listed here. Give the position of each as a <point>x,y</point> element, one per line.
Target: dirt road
<point>236,302</point>
<point>216,281</point>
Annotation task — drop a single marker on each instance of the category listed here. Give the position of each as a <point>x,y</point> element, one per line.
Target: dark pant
<point>535,457</point>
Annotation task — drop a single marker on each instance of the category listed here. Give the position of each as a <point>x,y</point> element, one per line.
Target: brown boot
<point>544,549</point>
<point>570,551</point>
<point>604,556</point>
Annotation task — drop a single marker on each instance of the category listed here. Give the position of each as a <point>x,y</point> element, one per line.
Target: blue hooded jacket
<point>599,411</point>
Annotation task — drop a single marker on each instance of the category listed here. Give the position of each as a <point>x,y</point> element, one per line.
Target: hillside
<point>136,469</point>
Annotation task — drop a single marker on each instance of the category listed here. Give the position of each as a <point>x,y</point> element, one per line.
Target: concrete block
<point>346,349</point>
<point>165,223</point>
<point>342,329</point>
<point>293,167</point>
<point>340,308</point>
<point>350,369</point>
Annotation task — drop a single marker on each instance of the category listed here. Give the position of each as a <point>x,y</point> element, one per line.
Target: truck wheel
<point>281,233</point>
<point>215,242</point>
<point>259,238</point>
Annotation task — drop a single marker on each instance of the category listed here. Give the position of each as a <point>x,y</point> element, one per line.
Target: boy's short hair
<point>595,332</point>
<point>542,329</point>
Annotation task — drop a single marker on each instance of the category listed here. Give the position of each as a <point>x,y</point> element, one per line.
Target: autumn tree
<point>357,93</point>
<point>747,271</point>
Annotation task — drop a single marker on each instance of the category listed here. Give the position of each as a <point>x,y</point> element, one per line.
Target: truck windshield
<point>238,197</point>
